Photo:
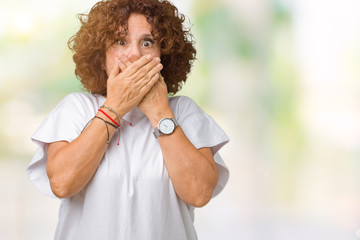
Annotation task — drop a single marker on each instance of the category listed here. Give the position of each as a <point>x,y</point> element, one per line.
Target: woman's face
<point>138,42</point>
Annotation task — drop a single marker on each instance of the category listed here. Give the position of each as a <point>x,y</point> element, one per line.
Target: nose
<point>134,50</point>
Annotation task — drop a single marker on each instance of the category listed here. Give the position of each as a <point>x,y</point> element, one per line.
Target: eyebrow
<point>147,35</point>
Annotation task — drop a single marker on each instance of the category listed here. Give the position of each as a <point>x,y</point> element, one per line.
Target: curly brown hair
<point>100,29</point>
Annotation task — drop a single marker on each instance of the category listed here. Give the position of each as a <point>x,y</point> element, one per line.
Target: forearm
<point>192,175</point>
<point>192,171</point>
<point>70,166</point>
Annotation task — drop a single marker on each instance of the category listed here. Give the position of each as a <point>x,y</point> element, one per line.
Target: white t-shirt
<point>131,195</point>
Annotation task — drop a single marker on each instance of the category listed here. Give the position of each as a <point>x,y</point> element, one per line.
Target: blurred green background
<point>281,77</point>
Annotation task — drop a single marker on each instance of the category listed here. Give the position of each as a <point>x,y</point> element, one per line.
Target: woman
<point>127,161</point>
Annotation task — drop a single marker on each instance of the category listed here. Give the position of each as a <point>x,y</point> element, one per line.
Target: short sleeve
<point>203,131</point>
<point>64,123</point>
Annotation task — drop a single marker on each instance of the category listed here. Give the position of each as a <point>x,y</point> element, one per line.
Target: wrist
<point>109,115</point>
<point>155,117</point>
<point>113,112</point>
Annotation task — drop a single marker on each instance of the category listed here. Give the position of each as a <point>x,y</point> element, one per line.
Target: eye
<point>148,43</point>
<point>121,42</point>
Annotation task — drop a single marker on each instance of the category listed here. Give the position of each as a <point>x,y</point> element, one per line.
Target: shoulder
<point>181,99</point>
<point>79,103</point>
<point>81,100</point>
<point>80,97</point>
<point>185,108</point>
<point>68,118</point>
<point>182,102</point>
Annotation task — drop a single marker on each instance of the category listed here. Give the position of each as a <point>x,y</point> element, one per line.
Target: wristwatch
<point>166,126</point>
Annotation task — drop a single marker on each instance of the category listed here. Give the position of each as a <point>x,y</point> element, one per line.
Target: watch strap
<point>157,132</point>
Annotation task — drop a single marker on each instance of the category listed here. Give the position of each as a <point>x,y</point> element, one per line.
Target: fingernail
<point>157,59</point>
<point>148,56</point>
<point>160,66</point>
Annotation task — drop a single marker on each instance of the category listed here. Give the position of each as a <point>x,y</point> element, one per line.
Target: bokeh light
<point>23,23</point>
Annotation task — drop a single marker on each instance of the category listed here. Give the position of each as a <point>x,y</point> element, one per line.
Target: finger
<point>133,68</point>
<point>162,81</point>
<point>115,70</point>
<point>133,58</point>
<point>145,88</point>
<point>125,60</point>
<point>122,64</point>
<point>153,72</point>
<point>154,66</point>
<point>161,78</point>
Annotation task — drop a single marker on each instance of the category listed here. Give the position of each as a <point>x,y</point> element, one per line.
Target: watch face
<point>166,126</point>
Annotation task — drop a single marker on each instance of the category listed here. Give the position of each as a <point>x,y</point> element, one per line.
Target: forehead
<point>137,23</point>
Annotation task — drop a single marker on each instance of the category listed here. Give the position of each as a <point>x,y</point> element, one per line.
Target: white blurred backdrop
<point>281,77</point>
